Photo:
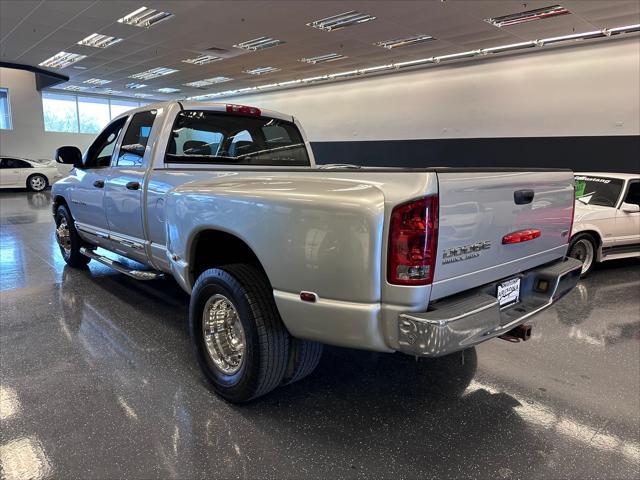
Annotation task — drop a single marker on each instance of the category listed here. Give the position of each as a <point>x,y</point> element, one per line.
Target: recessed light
<point>97,81</point>
<point>259,43</point>
<point>329,57</point>
<point>528,16</point>
<point>62,60</point>
<point>341,20</point>
<point>97,40</point>
<point>404,42</point>
<point>74,88</point>
<point>153,73</point>
<point>261,70</point>
<point>135,86</point>
<point>145,17</point>
<point>202,60</point>
<point>168,90</point>
<point>207,81</point>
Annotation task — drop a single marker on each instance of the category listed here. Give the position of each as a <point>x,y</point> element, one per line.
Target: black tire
<point>304,356</point>
<point>577,250</point>
<point>266,340</point>
<point>37,182</point>
<point>71,255</point>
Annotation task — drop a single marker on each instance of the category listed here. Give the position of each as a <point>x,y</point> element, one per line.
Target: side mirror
<point>69,155</point>
<point>630,207</point>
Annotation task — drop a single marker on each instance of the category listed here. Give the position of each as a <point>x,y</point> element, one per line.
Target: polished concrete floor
<point>98,381</point>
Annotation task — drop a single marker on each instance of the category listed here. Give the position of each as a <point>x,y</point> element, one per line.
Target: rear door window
<point>225,139</point>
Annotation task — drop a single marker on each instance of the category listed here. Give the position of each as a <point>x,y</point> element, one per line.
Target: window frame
<point>116,147</point>
<point>116,152</point>
<point>625,191</point>
<point>9,115</point>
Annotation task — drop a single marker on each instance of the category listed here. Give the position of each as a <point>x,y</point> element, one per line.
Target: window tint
<point>602,191</point>
<point>5,110</point>
<point>219,138</point>
<point>633,194</point>
<point>93,114</point>
<point>135,139</point>
<point>100,152</point>
<point>15,163</point>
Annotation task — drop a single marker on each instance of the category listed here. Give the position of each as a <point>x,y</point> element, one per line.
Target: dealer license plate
<point>509,292</point>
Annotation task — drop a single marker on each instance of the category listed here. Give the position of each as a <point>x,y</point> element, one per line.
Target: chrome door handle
<point>98,184</point>
<point>133,185</point>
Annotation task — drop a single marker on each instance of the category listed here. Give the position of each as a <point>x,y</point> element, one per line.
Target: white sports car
<point>35,175</point>
<point>606,222</point>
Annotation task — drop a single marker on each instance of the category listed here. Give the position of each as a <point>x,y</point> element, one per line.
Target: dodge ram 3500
<point>281,256</point>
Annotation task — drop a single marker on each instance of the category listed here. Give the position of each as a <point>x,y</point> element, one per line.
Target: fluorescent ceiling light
<point>574,36</point>
<point>625,29</point>
<point>62,60</point>
<point>414,62</point>
<point>97,40</point>
<point>108,91</point>
<point>202,60</point>
<point>512,46</point>
<point>455,56</point>
<point>135,86</point>
<point>259,43</point>
<point>168,90</point>
<point>145,17</point>
<point>97,81</point>
<point>142,95</point>
<point>341,20</point>
<point>207,82</point>
<point>153,73</point>
<point>75,88</point>
<point>261,70</point>
<point>528,16</point>
<point>329,57</point>
<point>405,42</point>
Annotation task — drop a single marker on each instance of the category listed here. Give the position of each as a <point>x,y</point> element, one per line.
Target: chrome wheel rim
<point>583,251</point>
<point>223,334</point>
<point>64,236</point>
<point>37,183</point>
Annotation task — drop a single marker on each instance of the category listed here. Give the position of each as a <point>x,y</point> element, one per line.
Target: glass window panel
<point>60,113</point>
<point>93,113</point>
<point>121,106</point>
<point>5,110</point>
<point>135,139</point>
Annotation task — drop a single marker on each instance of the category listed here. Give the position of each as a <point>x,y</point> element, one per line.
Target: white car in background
<point>607,218</point>
<point>35,175</point>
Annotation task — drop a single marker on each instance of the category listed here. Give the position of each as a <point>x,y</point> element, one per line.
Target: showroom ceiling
<point>267,37</point>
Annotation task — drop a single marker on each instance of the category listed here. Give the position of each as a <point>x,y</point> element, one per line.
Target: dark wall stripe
<point>604,153</point>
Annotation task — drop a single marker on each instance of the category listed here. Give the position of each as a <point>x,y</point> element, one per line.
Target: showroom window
<point>81,114</point>
<point>5,110</point>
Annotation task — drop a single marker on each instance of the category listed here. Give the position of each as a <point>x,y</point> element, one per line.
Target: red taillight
<point>244,110</point>
<point>413,235</point>
<point>521,236</point>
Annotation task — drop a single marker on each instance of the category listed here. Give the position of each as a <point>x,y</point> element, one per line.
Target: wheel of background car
<point>583,248</point>
<point>37,182</point>
<point>68,239</point>
<point>237,335</point>
<point>304,356</point>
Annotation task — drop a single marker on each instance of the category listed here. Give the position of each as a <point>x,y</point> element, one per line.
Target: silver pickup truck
<point>280,255</point>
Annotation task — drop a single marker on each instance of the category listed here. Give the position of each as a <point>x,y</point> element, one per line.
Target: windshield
<point>602,191</point>
<point>213,137</point>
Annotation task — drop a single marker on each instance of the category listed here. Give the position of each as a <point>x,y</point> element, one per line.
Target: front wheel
<point>583,248</point>
<point>238,337</point>
<point>37,182</point>
<point>68,239</point>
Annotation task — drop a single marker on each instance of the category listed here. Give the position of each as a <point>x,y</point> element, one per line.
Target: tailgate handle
<point>522,197</point>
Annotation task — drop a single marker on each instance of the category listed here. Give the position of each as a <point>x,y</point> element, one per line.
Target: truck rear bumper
<point>470,318</point>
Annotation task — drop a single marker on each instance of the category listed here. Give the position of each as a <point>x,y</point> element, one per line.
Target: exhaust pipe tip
<point>521,333</point>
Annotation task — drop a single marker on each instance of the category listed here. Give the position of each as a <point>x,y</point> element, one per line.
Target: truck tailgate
<point>478,208</point>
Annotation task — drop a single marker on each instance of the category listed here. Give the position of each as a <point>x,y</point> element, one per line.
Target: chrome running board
<point>119,267</point>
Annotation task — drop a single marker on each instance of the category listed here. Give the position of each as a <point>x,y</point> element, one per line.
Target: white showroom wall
<point>590,90</point>
<point>27,137</point>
